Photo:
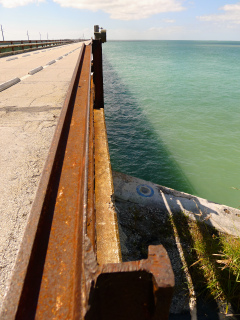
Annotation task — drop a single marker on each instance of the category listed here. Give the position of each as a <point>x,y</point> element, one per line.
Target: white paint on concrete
<point>25,77</point>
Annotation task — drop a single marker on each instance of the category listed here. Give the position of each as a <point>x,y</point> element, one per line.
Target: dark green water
<point>173,114</point>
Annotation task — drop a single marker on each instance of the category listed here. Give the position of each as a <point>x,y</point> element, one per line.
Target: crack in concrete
<point>29,109</point>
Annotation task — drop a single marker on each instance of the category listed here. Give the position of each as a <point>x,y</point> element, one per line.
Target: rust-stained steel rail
<point>61,292</point>
<point>58,275</point>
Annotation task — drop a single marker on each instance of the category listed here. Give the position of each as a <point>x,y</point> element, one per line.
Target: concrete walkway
<point>29,111</point>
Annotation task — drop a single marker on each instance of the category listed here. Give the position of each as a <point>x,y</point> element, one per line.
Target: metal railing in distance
<point>13,47</point>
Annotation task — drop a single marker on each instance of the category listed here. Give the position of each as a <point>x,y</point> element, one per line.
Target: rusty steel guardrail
<point>57,274</point>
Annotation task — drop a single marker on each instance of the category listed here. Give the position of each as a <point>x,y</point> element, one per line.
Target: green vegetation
<point>214,261</point>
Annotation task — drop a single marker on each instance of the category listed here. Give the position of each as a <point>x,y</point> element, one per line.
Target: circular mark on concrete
<point>145,191</point>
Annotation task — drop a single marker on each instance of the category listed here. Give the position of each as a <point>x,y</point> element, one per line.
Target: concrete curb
<point>14,58</point>
<point>50,62</point>
<point>33,71</point>
<point>9,83</point>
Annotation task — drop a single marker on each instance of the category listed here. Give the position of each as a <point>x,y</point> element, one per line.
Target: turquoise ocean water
<point>173,114</point>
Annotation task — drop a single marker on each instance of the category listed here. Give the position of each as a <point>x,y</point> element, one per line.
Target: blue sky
<point>123,19</point>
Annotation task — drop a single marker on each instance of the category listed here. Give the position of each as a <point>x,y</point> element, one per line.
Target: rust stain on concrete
<point>108,244</point>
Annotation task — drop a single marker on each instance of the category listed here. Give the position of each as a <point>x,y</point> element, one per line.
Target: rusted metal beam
<point>62,288</point>
<point>137,290</point>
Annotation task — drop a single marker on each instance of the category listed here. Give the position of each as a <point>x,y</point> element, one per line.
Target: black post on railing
<point>100,37</point>
<point>98,74</point>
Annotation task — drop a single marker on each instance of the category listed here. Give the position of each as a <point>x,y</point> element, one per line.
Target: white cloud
<point>125,9</point>
<point>169,20</point>
<point>18,3</point>
<point>231,14</point>
<point>154,33</point>
<point>159,31</point>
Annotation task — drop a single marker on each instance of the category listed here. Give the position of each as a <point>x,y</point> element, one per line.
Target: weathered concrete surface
<point>29,112</point>
<point>108,245</point>
<point>223,218</point>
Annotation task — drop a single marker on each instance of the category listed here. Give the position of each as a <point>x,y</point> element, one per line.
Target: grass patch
<point>213,260</point>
